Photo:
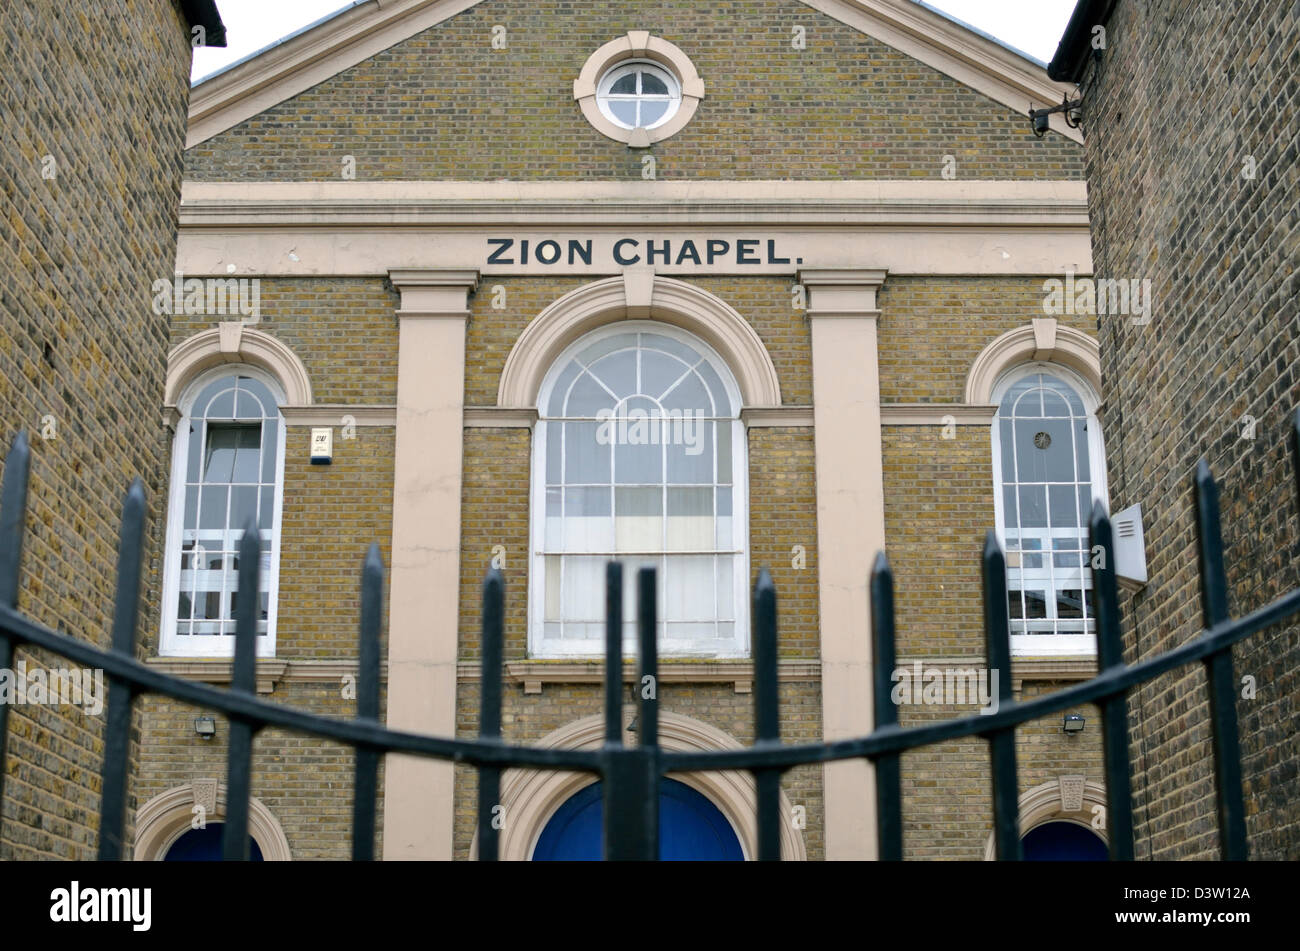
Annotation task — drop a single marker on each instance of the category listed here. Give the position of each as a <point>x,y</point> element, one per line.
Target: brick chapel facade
<point>706,287</point>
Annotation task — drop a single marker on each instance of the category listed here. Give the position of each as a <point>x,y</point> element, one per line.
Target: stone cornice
<point>698,204</point>
<point>936,414</point>
<point>500,417</point>
<point>764,416</point>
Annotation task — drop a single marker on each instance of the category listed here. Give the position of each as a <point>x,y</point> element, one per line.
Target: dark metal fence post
<point>613,655</point>
<point>117,737</point>
<point>1114,709</point>
<point>239,762</point>
<point>489,723</point>
<point>632,775</point>
<point>1218,670</point>
<point>889,809</point>
<point>1002,742</point>
<point>13,515</point>
<point>767,721</point>
<point>366,784</point>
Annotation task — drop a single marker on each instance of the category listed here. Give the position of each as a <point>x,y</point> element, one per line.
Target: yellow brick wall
<point>938,505</point>
<point>933,328</point>
<point>94,127</point>
<point>342,328</point>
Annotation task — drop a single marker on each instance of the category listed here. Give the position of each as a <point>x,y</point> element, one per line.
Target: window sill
<point>218,670</point>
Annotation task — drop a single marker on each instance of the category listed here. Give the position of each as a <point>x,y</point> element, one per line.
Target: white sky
<point>1034,26</point>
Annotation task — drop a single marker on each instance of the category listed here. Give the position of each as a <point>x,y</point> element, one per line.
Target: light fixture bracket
<point>1071,109</point>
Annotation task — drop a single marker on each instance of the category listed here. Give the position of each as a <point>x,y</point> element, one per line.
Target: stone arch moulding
<point>166,817</point>
<point>1065,799</point>
<point>638,295</point>
<point>236,342</point>
<point>530,797</point>
<point>1044,339</point>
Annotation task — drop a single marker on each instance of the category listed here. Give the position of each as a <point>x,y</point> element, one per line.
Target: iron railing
<point>632,774</point>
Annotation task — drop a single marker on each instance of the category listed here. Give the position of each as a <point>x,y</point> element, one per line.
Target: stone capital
<point>842,292</point>
<point>434,291</point>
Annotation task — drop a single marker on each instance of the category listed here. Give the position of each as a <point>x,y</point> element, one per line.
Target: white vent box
<point>1130,548</point>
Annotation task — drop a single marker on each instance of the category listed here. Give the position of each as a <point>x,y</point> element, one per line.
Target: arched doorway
<point>691,828</point>
<point>168,819</point>
<point>1063,842</point>
<point>204,845</point>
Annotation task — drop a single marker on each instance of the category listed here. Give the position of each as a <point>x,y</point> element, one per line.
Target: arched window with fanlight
<point>1048,467</point>
<point>227,467</point>
<point>639,457</point>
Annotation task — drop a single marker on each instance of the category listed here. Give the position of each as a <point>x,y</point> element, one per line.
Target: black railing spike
<point>614,654</point>
<point>490,818</point>
<point>117,736</point>
<point>631,776</point>
<point>1002,741</point>
<point>1118,820</point>
<point>239,761</point>
<point>767,720</point>
<point>1214,582</point>
<point>889,808</point>
<point>647,605</point>
<point>1295,453</point>
<point>13,517</point>
<point>1218,672</point>
<point>366,781</point>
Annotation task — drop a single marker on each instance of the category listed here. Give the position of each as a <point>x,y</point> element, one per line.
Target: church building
<point>707,287</point>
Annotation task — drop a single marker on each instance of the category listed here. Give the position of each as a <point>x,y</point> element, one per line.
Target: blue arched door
<point>1063,842</point>
<point>691,828</point>
<point>204,845</point>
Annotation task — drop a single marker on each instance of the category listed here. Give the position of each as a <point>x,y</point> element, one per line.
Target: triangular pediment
<point>316,55</point>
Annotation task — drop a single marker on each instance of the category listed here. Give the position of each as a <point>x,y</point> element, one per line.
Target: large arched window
<point>227,465</point>
<point>1048,466</point>
<point>640,457</point>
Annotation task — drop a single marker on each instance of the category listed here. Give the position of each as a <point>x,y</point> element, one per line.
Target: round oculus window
<point>639,95</point>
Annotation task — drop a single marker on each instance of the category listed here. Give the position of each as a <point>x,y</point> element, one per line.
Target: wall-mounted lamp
<point>1041,118</point>
<point>1072,723</point>
<point>205,727</point>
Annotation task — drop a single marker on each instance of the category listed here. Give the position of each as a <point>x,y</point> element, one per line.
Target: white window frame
<point>618,71</point>
<point>170,644</point>
<point>538,646</point>
<point>1050,644</point>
